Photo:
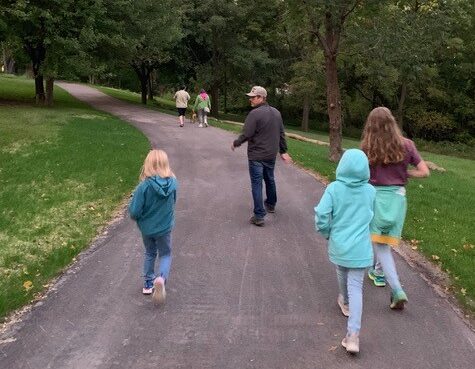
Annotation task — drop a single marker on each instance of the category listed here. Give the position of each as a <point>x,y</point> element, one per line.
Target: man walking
<point>181,102</point>
<point>264,132</point>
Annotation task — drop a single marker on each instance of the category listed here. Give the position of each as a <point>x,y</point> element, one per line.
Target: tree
<point>308,76</point>
<point>150,32</point>
<point>325,21</point>
<point>49,31</point>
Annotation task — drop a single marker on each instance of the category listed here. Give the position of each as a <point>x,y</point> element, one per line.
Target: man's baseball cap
<point>257,91</point>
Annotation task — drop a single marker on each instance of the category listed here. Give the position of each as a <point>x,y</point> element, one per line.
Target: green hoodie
<point>345,211</point>
<point>153,205</point>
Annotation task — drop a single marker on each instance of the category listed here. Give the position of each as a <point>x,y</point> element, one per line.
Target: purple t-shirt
<point>395,174</point>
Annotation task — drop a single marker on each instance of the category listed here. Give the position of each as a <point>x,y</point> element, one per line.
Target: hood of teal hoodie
<point>353,168</point>
<point>163,186</point>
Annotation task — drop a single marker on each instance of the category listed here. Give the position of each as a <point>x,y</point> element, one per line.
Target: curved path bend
<point>239,296</point>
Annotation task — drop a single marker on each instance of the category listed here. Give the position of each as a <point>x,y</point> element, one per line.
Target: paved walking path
<point>239,296</point>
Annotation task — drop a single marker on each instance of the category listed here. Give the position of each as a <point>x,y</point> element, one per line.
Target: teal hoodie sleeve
<point>137,202</point>
<point>323,215</point>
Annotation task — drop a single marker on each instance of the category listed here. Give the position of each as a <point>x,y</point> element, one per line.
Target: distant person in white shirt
<point>181,98</point>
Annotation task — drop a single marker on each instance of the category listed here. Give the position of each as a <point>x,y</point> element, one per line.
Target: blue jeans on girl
<point>161,246</point>
<point>350,283</point>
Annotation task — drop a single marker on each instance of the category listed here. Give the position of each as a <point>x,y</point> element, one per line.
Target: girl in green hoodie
<point>343,216</point>
<point>153,208</point>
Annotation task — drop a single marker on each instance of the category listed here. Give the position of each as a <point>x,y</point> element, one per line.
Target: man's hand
<point>232,146</point>
<point>286,158</point>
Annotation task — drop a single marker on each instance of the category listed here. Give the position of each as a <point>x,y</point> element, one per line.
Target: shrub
<point>431,125</point>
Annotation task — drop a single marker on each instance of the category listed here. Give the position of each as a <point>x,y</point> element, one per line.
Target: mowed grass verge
<point>440,217</point>
<point>63,172</point>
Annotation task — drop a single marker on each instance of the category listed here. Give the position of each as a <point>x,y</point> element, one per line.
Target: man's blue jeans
<point>154,245</point>
<point>262,170</point>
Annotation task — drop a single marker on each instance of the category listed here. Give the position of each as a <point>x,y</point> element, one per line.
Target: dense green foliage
<point>413,56</point>
<point>63,173</point>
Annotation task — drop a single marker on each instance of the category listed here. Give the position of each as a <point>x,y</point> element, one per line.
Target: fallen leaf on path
<point>28,285</point>
<point>435,257</point>
<point>333,348</point>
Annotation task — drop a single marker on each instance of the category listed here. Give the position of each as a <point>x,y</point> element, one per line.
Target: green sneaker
<point>378,279</point>
<point>398,299</point>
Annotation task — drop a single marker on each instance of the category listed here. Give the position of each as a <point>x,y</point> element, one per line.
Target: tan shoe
<point>159,293</point>
<point>345,309</point>
<point>351,343</point>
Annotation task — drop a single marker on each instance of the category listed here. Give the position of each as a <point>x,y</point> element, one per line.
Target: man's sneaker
<point>257,221</point>
<point>181,124</point>
<point>398,299</point>
<point>270,208</point>
<point>200,125</point>
<point>351,343</point>
<point>147,291</point>
<point>378,279</point>
<point>159,293</point>
<point>345,309</point>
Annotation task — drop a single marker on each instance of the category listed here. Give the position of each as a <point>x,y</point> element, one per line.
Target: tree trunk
<point>143,72</point>
<point>37,55</point>
<point>305,113</point>
<point>8,61</point>
<point>214,100</point>
<point>215,63</point>
<point>225,109</point>
<point>400,107</point>
<point>150,87</point>
<point>49,91</point>
<point>39,90</point>
<point>143,88</point>
<point>333,107</point>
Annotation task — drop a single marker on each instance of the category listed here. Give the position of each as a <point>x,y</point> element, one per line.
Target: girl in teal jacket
<point>153,208</point>
<point>343,216</point>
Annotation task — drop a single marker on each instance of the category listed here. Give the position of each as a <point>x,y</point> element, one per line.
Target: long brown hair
<point>156,164</point>
<point>382,140</point>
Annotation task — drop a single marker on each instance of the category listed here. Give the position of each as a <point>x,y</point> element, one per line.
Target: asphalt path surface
<point>239,296</point>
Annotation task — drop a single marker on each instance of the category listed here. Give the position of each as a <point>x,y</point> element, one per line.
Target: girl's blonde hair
<point>156,164</point>
<point>382,140</point>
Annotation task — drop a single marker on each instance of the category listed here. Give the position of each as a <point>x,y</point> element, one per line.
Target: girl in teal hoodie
<point>343,216</point>
<point>153,208</point>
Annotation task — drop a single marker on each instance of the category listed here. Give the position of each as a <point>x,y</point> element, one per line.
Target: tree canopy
<point>325,63</point>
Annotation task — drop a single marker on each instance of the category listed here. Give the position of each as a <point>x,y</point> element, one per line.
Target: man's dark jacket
<point>264,131</point>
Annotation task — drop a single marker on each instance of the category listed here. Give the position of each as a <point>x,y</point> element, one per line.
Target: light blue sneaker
<point>377,277</point>
<point>398,299</point>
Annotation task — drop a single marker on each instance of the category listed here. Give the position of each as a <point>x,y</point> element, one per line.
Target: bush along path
<point>239,296</point>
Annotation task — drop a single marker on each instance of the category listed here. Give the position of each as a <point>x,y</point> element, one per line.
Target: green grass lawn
<point>63,172</point>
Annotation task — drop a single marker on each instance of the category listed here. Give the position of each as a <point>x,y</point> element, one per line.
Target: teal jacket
<point>345,211</point>
<point>153,205</point>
